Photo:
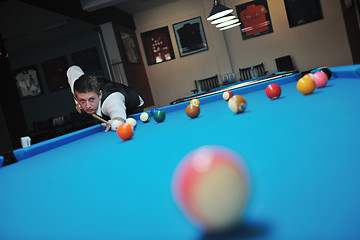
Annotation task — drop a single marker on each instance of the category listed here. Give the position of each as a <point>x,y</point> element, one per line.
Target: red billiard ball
<point>237,104</point>
<point>273,91</point>
<point>320,78</point>
<point>227,95</point>
<point>125,131</point>
<point>192,111</point>
<point>210,185</point>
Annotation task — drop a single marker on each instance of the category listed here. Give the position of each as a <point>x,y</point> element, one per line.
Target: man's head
<point>88,93</point>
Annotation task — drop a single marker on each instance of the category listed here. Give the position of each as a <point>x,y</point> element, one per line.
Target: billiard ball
<point>237,104</point>
<point>192,111</point>
<point>195,102</point>
<point>132,122</point>
<point>227,95</point>
<point>145,117</point>
<point>159,116</point>
<point>153,111</point>
<point>320,78</point>
<point>125,131</point>
<point>305,85</point>
<point>327,71</point>
<point>308,75</point>
<point>115,124</point>
<point>273,91</point>
<point>210,185</point>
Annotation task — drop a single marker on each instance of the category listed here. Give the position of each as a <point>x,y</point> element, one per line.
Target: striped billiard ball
<point>210,185</point>
<point>145,117</point>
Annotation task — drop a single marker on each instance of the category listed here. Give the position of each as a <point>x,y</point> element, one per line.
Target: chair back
<point>207,84</point>
<point>284,63</point>
<point>252,72</point>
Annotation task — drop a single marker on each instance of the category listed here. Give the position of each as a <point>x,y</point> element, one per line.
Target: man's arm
<point>114,106</point>
<point>73,73</point>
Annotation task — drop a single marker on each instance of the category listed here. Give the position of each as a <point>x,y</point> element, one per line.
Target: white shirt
<point>114,104</point>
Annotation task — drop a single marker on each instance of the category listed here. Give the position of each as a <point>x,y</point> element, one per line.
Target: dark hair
<point>87,83</point>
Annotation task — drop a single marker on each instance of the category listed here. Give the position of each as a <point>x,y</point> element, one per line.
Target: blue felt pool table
<point>302,154</point>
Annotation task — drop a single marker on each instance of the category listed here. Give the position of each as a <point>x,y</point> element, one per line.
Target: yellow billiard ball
<point>195,102</point>
<point>305,85</point>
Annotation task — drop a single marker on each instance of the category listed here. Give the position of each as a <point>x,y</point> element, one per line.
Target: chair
<point>252,72</point>
<point>259,70</point>
<point>206,84</point>
<point>284,64</point>
<point>245,73</point>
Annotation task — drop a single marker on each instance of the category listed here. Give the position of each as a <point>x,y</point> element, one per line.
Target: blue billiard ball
<point>153,111</point>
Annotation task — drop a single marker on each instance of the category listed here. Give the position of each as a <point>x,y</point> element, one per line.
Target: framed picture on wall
<point>130,48</point>
<point>157,46</point>
<point>225,78</point>
<point>190,37</point>
<point>232,77</point>
<point>27,81</point>
<point>255,19</point>
<point>88,60</point>
<point>300,12</point>
<point>55,73</point>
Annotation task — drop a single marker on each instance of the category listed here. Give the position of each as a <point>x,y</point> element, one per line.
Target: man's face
<point>89,102</point>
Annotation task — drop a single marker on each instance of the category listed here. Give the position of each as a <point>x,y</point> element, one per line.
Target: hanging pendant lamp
<point>218,11</point>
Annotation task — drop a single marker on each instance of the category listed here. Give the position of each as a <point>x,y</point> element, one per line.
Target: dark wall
<point>12,123</point>
<point>52,104</point>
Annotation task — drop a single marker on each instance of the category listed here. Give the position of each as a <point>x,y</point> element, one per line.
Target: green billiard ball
<point>145,117</point>
<point>159,116</point>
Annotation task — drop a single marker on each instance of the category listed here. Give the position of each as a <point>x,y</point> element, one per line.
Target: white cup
<point>26,141</point>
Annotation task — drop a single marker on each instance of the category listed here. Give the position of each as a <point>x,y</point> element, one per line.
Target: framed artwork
<point>88,60</point>
<point>55,73</point>
<point>157,46</point>
<point>232,77</point>
<point>225,78</point>
<point>27,81</point>
<point>300,12</point>
<point>255,19</point>
<point>190,36</point>
<point>130,48</point>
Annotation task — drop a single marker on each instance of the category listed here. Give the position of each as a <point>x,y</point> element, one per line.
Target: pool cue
<point>99,118</point>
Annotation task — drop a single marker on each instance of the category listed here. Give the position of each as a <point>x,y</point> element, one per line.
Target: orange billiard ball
<point>237,104</point>
<point>305,85</point>
<point>125,131</point>
<point>210,185</point>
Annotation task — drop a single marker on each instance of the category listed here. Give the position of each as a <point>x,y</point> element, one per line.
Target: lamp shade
<point>223,19</point>
<point>227,23</point>
<point>218,11</point>
<point>230,26</point>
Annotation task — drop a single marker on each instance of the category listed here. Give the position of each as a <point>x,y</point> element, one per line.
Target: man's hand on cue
<point>113,124</point>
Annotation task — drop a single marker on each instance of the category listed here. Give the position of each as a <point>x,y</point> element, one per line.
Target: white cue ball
<point>115,124</point>
<point>131,121</point>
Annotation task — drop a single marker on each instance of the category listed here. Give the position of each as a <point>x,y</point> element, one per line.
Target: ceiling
<point>23,24</point>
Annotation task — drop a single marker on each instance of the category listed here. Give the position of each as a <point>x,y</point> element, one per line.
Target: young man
<point>107,99</point>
